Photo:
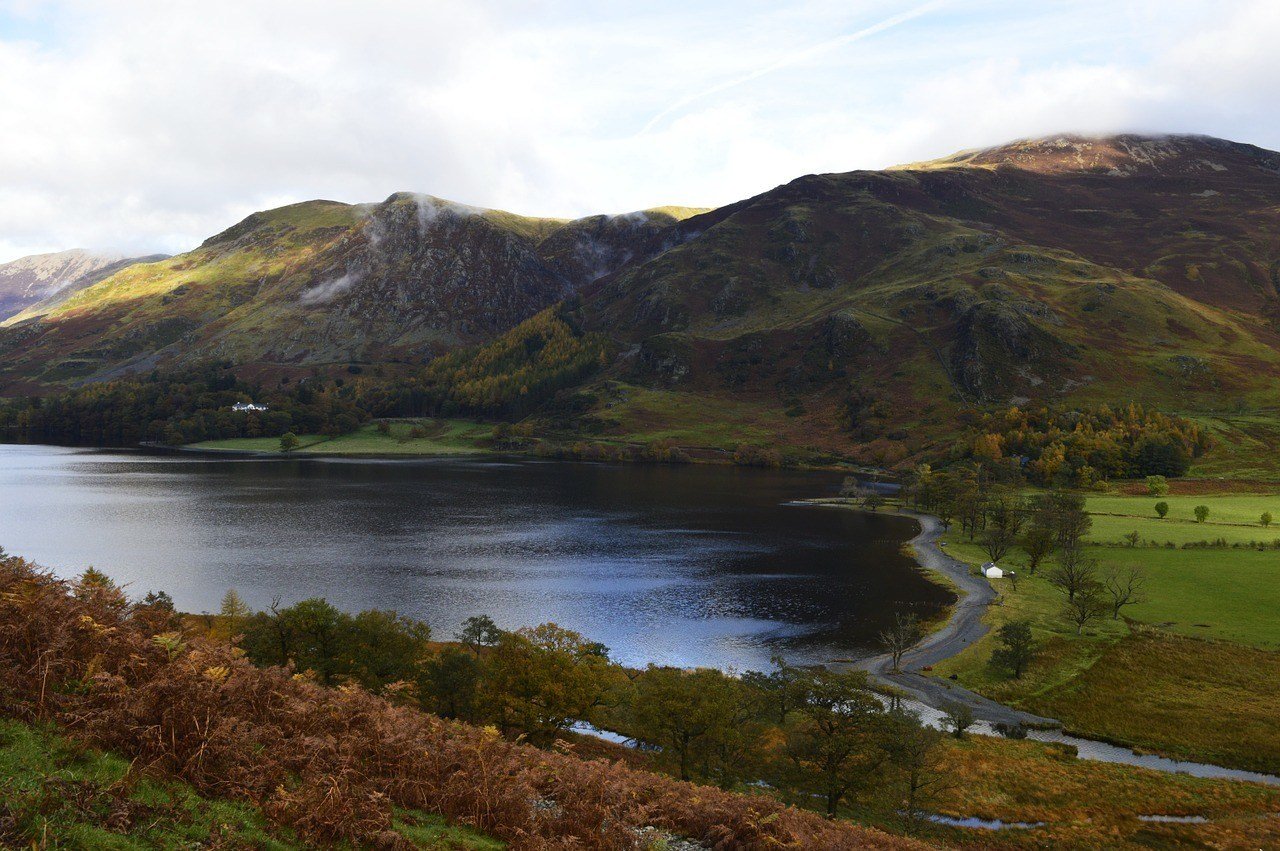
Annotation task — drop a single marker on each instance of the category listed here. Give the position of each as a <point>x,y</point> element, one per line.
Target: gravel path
<point>963,628</point>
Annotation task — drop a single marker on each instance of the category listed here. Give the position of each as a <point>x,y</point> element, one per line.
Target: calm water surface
<point>678,565</point>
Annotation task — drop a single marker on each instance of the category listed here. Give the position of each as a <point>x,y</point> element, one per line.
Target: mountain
<point>861,313</point>
<point>41,281</point>
<point>872,307</point>
<point>323,283</point>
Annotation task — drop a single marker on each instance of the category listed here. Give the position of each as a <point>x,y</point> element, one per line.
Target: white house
<point>991,571</point>
<point>248,406</point>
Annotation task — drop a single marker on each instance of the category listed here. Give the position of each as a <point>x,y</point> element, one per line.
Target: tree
<point>1085,606</point>
<point>1202,513</point>
<point>1017,647</point>
<point>1162,508</point>
<point>838,743</point>
<point>1265,519</point>
<point>158,599</point>
<point>776,687</point>
<point>1124,585</point>
<point>958,717</point>
<point>315,626</point>
<point>288,442</point>
<point>541,680</point>
<point>872,501</point>
<point>1068,518</point>
<point>699,718</point>
<point>1074,572</point>
<point>1037,543</point>
<point>913,748</point>
<point>479,631</point>
<point>1157,485</point>
<point>232,616</point>
<point>900,637</point>
<point>1133,538</point>
<point>1004,521</point>
<point>379,647</point>
<point>450,682</point>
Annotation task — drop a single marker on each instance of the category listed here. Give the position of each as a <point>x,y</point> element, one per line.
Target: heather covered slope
<point>323,283</point>
<point>868,304</point>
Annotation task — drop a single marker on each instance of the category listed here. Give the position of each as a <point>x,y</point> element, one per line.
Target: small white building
<point>991,571</point>
<point>247,406</point>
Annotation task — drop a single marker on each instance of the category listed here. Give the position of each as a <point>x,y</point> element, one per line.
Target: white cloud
<point>148,125</point>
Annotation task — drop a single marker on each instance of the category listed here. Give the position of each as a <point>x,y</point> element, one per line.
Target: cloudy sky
<point>147,126</point>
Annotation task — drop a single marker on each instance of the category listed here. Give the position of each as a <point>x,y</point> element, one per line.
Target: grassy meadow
<point>1192,672</point>
<point>437,437</point>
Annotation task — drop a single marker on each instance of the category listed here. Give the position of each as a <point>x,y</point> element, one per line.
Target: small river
<point>699,565</point>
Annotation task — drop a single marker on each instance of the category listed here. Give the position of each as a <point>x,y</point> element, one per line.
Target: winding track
<point>964,627</point>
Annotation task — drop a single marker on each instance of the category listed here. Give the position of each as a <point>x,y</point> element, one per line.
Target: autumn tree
<point>1037,542</point>
<point>479,631</point>
<point>450,682</point>
<point>541,680</point>
<point>838,742</point>
<point>702,719</point>
<point>1074,572</point>
<point>1005,517</point>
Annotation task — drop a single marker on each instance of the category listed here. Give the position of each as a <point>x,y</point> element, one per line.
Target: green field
<point>441,437</point>
<point>55,793</point>
<point>1196,674</point>
<point>1233,517</point>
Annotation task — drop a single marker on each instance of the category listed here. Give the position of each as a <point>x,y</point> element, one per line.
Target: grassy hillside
<point>55,792</point>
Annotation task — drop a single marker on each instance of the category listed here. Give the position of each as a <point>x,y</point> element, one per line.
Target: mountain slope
<point>860,313</point>
<point>868,304</point>
<point>36,283</point>
<point>323,283</point>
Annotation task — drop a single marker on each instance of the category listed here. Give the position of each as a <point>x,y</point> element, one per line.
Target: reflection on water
<point>676,565</point>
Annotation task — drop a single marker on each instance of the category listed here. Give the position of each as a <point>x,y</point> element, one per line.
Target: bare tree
<point>1037,543</point>
<point>900,638</point>
<point>1074,572</point>
<point>1124,584</point>
<point>1004,521</point>
<point>959,717</point>
<point>1087,605</point>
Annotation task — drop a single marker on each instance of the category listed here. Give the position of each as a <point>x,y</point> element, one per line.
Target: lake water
<point>676,565</point>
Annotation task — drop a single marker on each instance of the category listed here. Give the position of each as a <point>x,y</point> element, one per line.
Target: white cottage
<point>991,571</point>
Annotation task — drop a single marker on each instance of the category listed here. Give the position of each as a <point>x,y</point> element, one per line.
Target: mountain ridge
<point>860,311</point>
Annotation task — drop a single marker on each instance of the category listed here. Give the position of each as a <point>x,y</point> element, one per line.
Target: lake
<point>701,565</point>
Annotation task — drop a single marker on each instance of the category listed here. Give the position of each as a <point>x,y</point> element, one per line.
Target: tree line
<point>180,408</point>
<point>808,734</point>
<point>1083,446</point>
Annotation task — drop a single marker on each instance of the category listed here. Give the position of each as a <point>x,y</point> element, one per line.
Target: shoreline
<point>963,627</point>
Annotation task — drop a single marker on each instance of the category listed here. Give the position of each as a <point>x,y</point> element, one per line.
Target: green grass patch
<point>56,793</point>
<point>433,437</point>
<point>1150,686</point>
<point>59,794</point>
